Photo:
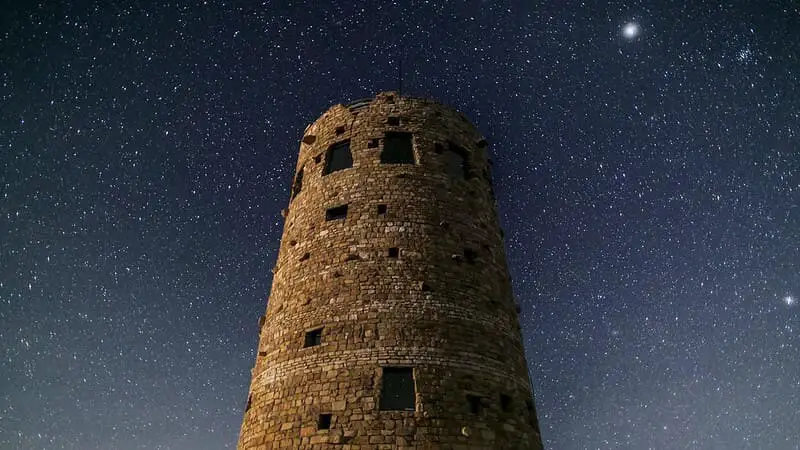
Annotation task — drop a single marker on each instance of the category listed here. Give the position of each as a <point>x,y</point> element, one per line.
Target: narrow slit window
<point>336,213</point>
<point>398,148</point>
<point>394,252</point>
<point>505,402</point>
<point>456,162</point>
<point>324,422</point>
<point>298,183</point>
<point>381,210</point>
<point>475,404</point>
<point>338,157</point>
<point>397,389</point>
<point>313,338</point>
<point>249,403</point>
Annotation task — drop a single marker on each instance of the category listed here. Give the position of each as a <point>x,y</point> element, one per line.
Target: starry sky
<point>647,174</point>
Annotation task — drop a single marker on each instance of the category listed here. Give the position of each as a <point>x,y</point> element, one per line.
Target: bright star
<point>631,30</point>
<point>789,300</point>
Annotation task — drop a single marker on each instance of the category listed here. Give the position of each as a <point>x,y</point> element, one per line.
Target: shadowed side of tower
<point>391,322</point>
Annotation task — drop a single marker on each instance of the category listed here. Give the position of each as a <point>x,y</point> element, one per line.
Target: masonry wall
<point>442,305</point>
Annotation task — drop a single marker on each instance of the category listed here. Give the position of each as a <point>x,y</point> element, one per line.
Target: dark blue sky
<point>649,186</point>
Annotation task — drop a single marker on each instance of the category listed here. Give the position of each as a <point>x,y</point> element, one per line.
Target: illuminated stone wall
<point>412,275</point>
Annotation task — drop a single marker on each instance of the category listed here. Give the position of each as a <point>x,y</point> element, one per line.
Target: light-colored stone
<point>443,307</point>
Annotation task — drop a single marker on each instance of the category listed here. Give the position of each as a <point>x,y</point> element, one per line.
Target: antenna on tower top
<point>400,73</point>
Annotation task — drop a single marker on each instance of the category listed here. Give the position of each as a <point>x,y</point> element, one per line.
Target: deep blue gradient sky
<point>649,187</point>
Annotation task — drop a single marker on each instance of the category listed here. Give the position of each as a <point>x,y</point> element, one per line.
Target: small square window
<point>470,255</point>
<point>324,422</point>
<point>372,143</point>
<point>398,148</point>
<point>340,130</point>
<point>313,338</point>
<point>381,209</point>
<point>393,121</point>
<point>394,252</point>
<point>338,157</point>
<point>505,402</point>
<point>475,404</point>
<point>336,213</point>
<point>397,389</point>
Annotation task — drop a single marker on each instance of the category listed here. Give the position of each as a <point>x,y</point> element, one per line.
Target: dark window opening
<point>298,183</point>
<point>372,143</point>
<point>324,422</point>
<point>340,130</point>
<point>397,390</point>
<point>394,121</point>
<point>338,157</point>
<point>426,287</point>
<point>470,255</point>
<point>262,353</point>
<point>249,403</point>
<point>318,158</point>
<point>336,213</point>
<point>305,256</point>
<point>381,209</point>
<point>398,148</point>
<point>309,139</point>
<point>394,252</point>
<point>456,162</point>
<point>438,148</point>
<point>475,404</point>
<point>505,402</point>
<point>390,99</point>
<point>313,338</point>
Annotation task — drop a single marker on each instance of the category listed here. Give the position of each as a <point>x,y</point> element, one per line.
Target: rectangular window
<point>313,338</point>
<point>397,390</point>
<point>324,422</point>
<point>381,209</point>
<point>336,213</point>
<point>475,406</point>
<point>394,252</point>
<point>398,148</point>
<point>338,157</point>
<point>456,162</point>
<point>505,403</point>
<point>470,255</point>
<point>298,183</point>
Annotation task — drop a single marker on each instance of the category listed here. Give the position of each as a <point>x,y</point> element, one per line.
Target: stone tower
<point>391,323</point>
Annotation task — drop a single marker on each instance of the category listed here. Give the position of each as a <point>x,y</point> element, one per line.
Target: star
<point>789,300</point>
<point>631,30</point>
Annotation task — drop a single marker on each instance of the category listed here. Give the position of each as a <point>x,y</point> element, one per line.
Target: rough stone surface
<point>443,306</point>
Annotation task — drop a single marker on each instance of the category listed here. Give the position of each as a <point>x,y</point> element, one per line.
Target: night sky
<point>647,172</point>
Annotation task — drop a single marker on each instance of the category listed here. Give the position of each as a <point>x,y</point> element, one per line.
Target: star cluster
<point>646,169</point>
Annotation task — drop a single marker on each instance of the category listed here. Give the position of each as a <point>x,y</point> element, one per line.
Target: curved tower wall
<point>391,324</point>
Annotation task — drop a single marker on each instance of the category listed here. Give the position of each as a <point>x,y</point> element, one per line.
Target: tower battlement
<point>391,322</point>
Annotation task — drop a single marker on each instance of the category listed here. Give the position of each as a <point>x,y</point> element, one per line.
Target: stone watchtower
<point>391,322</point>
